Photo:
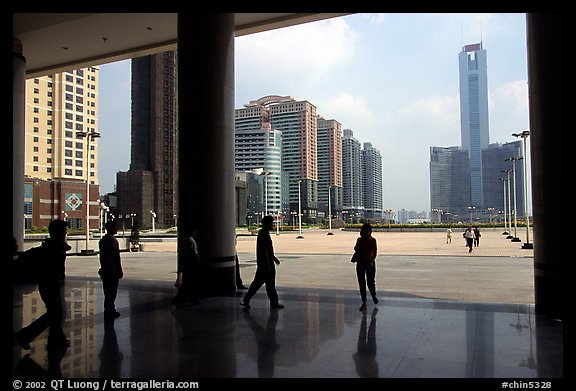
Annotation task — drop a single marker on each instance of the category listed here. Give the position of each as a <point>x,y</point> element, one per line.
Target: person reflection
<point>365,356</point>
<point>27,367</point>
<point>266,342</point>
<point>110,355</point>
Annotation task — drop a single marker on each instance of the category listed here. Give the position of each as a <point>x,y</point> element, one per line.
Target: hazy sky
<point>391,78</point>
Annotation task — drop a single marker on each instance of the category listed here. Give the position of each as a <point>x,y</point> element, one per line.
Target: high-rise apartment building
<point>372,182</point>
<point>352,192</point>
<point>259,147</point>
<point>474,114</point>
<point>297,122</point>
<point>61,109</point>
<point>329,152</point>
<point>150,183</point>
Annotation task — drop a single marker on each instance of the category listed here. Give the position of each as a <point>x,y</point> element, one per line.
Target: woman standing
<point>365,258</point>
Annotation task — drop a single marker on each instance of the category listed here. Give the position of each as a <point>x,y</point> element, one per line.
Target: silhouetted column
<point>18,132</point>
<point>549,175</point>
<point>206,143</point>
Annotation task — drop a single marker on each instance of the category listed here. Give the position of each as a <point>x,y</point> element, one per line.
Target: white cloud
<point>508,105</point>
<point>351,111</point>
<point>303,50</point>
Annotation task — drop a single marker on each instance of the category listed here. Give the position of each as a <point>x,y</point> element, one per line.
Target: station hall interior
<point>320,333</point>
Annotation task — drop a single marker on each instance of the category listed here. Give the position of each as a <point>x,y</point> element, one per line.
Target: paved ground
<point>409,264</point>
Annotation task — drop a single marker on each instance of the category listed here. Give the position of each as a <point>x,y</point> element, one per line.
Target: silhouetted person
<point>265,267</point>
<point>188,270</point>
<point>366,251</point>
<point>239,282</point>
<point>110,269</point>
<point>365,356</point>
<point>50,286</point>
<point>266,343</point>
<point>477,237</point>
<point>469,236</point>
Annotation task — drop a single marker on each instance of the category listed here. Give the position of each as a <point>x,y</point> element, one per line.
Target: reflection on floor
<point>320,334</point>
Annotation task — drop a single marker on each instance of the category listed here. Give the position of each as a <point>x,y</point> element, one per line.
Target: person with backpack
<point>51,275</point>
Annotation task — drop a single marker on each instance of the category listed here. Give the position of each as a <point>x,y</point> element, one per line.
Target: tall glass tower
<point>474,114</point>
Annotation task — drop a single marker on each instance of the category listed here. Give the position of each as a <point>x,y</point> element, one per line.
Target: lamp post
<point>524,135</point>
<point>153,221</point>
<point>490,211</point>
<point>513,159</point>
<point>91,135</point>
<point>329,212</point>
<point>470,209</point>
<point>509,204</point>
<point>504,183</point>
<point>299,212</point>
<point>439,211</point>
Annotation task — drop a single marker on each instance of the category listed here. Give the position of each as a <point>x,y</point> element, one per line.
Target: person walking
<point>469,236</point>
<point>188,269</point>
<point>365,257</point>
<point>448,236</point>
<point>110,269</point>
<point>51,289</point>
<point>265,267</point>
<point>477,237</point>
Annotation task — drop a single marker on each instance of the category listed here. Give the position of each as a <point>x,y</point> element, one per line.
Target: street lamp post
<point>299,212</point>
<point>329,212</point>
<point>509,205</point>
<point>524,135</point>
<point>153,220</point>
<point>91,135</point>
<point>505,209</point>
<point>513,159</point>
<point>470,209</point>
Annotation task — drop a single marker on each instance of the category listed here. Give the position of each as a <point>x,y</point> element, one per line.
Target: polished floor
<point>320,334</point>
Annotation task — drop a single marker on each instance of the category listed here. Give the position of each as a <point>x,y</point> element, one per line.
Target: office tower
<point>259,147</point>
<point>329,165</point>
<point>450,181</point>
<point>149,184</point>
<point>474,114</point>
<point>372,182</point>
<point>60,108</point>
<point>494,158</point>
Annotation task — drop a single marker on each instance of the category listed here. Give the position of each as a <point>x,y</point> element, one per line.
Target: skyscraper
<point>60,108</point>
<point>474,114</point>
<point>372,182</point>
<point>352,201</point>
<point>150,183</point>
<point>259,147</point>
<point>465,179</point>
<point>329,165</point>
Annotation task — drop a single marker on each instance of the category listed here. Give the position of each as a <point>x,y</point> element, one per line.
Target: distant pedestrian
<point>365,258</point>
<point>188,269</point>
<point>265,267</point>
<point>469,235</point>
<point>477,237</point>
<point>448,236</point>
<point>110,269</point>
<point>51,288</point>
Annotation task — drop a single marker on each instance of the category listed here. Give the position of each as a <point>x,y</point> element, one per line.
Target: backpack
<point>28,265</point>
